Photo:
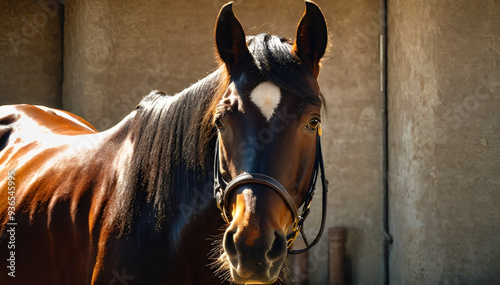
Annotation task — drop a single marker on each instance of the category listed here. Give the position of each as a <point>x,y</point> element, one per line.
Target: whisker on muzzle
<point>221,266</point>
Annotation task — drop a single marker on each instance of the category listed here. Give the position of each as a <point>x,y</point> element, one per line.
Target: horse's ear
<point>230,39</point>
<point>312,37</point>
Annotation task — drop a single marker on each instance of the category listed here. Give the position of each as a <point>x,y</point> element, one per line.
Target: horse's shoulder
<point>35,142</point>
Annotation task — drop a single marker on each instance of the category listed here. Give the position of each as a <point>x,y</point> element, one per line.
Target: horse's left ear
<point>312,37</point>
<point>230,40</point>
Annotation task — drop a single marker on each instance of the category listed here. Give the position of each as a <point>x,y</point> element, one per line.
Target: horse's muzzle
<point>255,242</point>
<point>259,263</point>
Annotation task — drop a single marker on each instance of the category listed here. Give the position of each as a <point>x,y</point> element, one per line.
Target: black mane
<point>170,149</point>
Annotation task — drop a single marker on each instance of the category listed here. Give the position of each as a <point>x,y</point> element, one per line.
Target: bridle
<point>222,190</point>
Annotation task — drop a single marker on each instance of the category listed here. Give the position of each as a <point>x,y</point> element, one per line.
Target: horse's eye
<point>218,123</point>
<point>313,124</point>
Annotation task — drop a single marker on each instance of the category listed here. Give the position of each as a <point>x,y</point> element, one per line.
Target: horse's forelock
<point>276,62</point>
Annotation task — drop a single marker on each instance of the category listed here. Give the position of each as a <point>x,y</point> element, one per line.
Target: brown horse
<point>135,204</point>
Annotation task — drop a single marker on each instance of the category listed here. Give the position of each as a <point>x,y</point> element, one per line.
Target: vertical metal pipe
<point>336,256</point>
<point>385,94</point>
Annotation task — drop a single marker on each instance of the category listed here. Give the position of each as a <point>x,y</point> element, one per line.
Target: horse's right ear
<point>230,39</point>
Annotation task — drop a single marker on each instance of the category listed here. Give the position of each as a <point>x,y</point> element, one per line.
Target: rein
<point>222,190</point>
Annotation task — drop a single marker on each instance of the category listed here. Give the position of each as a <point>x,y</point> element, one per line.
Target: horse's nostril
<point>229,245</point>
<point>278,247</point>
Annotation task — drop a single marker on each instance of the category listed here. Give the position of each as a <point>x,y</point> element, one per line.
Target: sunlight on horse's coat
<point>266,96</point>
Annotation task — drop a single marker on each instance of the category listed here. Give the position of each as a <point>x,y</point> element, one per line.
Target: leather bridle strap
<point>222,191</point>
<point>319,167</point>
<point>256,178</point>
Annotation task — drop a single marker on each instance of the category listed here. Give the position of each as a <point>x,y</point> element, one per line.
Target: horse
<point>200,187</point>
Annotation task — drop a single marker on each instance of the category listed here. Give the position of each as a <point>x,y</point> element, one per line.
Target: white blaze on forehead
<point>266,96</point>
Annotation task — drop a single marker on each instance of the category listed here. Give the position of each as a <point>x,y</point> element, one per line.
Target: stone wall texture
<point>444,141</point>
<point>98,58</point>
<point>30,52</point>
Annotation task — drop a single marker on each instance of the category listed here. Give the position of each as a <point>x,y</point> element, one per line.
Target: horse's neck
<point>129,201</point>
<point>173,209</point>
<point>163,159</point>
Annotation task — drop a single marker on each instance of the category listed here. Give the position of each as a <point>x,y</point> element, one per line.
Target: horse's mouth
<point>252,278</point>
<point>256,273</point>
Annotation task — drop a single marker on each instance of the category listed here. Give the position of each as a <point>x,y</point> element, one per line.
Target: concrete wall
<point>30,52</point>
<point>353,139</point>
<point>444,141</point>
<point>116,52</point>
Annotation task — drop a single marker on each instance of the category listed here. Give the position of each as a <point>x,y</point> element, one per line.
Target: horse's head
<point>268,122</point>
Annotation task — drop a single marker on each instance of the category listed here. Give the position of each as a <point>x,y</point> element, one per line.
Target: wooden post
<point>336,256</point>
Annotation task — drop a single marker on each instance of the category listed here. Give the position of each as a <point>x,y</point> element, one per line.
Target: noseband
<point>222,190</point>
